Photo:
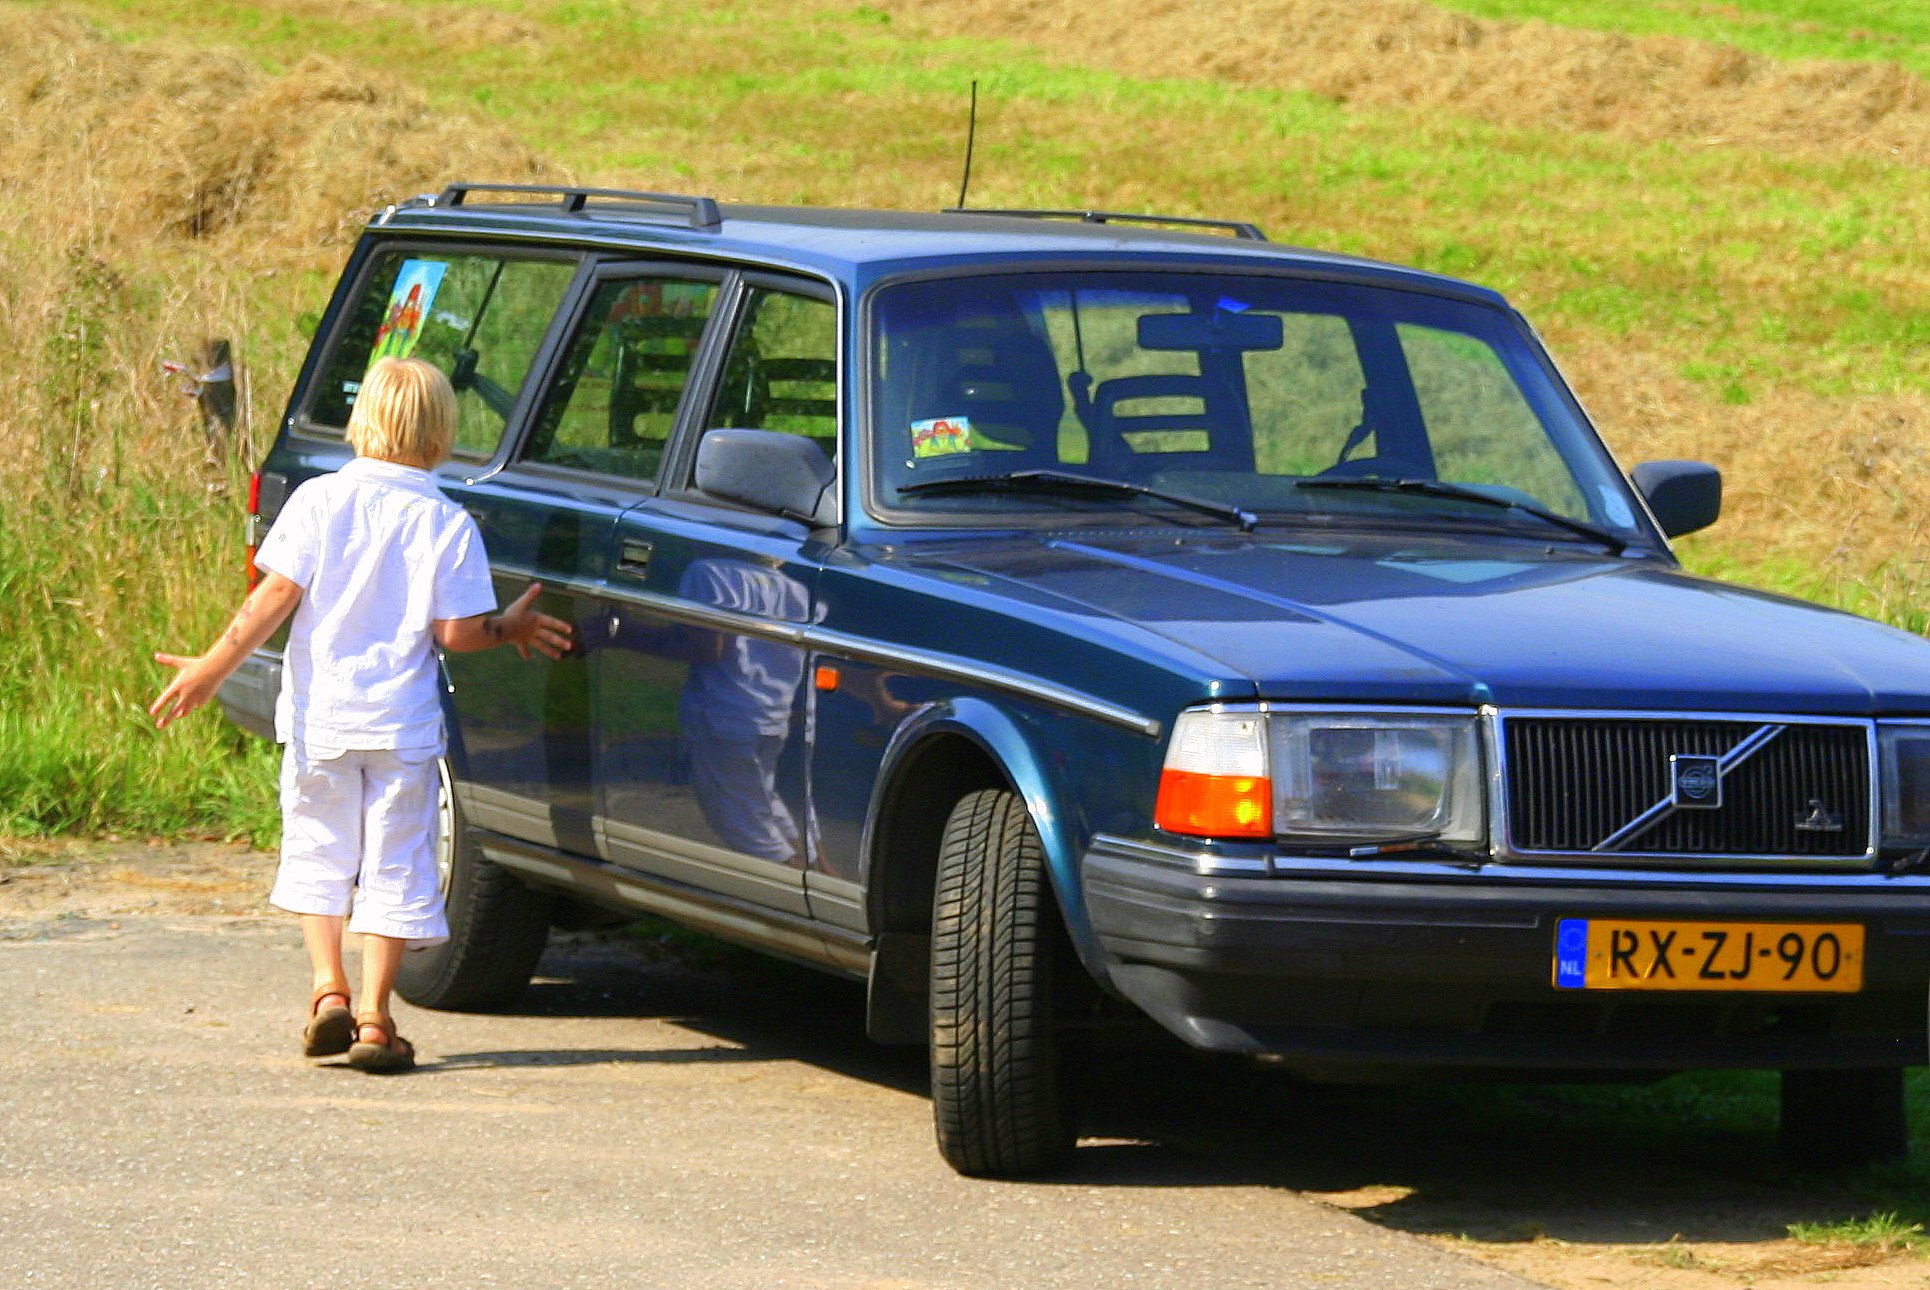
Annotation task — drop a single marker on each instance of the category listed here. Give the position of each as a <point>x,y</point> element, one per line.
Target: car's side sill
<point>740,922</point>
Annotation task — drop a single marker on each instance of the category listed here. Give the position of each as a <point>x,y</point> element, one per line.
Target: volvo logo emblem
<point>1697,780</point>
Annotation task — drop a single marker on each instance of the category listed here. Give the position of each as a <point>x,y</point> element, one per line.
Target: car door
<point>592,447</point>
<point>489,319</point>
<point>701,724</point>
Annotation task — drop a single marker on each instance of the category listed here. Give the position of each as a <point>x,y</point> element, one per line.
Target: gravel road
<point>637,1123</point>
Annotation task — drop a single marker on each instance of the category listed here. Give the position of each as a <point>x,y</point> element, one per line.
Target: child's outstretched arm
<point>518,625</point>
<point>197,679</point>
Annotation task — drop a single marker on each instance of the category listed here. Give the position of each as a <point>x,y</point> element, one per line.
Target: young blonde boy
<point>377,567</point>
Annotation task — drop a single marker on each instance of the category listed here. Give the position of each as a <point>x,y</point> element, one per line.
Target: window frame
<point>677,474</point>
<point>700,379</point>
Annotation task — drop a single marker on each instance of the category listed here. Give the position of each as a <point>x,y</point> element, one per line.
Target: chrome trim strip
<point>1206,864</point>
<point>1382,869</point>
<point>552,582</point>
<point>855,648</point>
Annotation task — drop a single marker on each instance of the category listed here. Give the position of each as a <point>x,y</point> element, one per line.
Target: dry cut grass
<point>153,198</point>
<point>1409,54</point>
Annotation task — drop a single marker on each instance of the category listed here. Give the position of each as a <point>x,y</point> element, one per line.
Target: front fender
<point>1009,742</point>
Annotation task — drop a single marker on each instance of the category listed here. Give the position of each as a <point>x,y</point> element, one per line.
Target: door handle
<point>633,557</point>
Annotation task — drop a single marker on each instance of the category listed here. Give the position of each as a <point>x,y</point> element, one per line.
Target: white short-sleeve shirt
<point>380,554</point>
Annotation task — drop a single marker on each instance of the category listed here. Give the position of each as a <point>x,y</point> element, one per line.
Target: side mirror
<point>1683,495</point>
<point>784,474</point>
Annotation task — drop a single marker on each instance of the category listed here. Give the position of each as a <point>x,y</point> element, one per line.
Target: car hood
<point>1459,620</point>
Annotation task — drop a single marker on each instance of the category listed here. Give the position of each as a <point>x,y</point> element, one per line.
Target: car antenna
<point>971,137</point>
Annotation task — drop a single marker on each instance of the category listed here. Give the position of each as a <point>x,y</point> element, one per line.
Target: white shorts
<point>358,837</point>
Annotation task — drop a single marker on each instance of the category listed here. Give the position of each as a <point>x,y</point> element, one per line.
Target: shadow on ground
<point>1691,1158</point>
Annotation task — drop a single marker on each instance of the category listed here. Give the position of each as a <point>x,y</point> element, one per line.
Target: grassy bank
<point>1759,302</point>
<point>154,199</point>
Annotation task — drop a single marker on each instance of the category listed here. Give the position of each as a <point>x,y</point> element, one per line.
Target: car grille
<point>1627,787</point>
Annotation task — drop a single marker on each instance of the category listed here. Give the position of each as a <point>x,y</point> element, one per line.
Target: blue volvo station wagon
<point>1066,622</point>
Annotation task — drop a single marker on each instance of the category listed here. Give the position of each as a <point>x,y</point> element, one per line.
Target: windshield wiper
<point>1057,481</point>
<point>1461,492</point>
<point>1425,844</point>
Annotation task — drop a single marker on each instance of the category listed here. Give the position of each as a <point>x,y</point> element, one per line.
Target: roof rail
<point>1238,228</point>
<point>702,212</point>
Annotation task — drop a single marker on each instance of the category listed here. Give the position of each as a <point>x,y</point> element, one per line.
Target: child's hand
<point>194,684</point>
<point>526,629</point>
<point>197,679</point>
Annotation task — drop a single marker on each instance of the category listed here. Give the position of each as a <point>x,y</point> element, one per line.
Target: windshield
<point>1229,389</point>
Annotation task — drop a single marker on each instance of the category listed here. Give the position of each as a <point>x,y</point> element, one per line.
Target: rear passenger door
<point>490,320</point>
<point>701,731</point>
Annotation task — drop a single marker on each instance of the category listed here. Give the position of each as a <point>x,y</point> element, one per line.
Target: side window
<point>480,318</point>
<point>782,372</point>
<point>616,398</point>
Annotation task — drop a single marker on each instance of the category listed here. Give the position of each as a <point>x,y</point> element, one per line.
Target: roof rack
<point>702,212</point>
<point>1238,228</point>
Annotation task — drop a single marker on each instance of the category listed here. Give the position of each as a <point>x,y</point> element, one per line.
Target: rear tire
<point>498,926</point>
<point>998,1091</point>
<point>1843,1119</point>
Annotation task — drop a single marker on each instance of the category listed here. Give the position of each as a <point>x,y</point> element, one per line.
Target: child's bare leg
<point>381,960</point>
<point>322,934</point>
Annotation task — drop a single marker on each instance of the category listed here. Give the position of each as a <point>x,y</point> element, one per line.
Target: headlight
<point>1905,754</point>
<point>1372,776</point>
<point>1324,777</point>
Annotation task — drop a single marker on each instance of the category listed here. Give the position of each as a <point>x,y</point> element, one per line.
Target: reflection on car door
<point>592,449</point>
<point>701,727</point>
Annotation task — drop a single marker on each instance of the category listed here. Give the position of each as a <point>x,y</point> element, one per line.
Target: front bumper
<point>1455,969</point>
<point>248,695</point>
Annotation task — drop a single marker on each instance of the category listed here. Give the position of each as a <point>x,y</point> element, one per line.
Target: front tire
<point>1843,1119</point>
<point>498,926</point>
<point>998,1090</point>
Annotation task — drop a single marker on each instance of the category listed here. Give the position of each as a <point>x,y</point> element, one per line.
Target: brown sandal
<point>329,1030</point>
<point>394,1054</point>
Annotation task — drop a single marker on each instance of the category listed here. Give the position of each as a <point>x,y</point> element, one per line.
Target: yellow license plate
<point>1636,954</point>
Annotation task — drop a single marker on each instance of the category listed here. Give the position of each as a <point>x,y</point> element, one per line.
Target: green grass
<point>81,618</point>
<point>1882,1230</point>
<point>1844,29</point>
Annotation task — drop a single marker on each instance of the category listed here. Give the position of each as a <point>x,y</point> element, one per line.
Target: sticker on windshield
<point>415,291</point>
<point>941,436</point>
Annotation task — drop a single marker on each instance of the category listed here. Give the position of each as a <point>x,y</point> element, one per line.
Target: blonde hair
<point>405,412</point>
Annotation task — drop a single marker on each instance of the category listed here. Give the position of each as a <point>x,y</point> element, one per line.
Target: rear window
<point>480,318</point>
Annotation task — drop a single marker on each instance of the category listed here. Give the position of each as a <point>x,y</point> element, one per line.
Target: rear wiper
<point>1436,488</point>
<point>1057,481</point>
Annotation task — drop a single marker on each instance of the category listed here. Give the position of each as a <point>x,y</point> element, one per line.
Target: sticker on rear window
<point>941,436</point>
<point>415,291</point>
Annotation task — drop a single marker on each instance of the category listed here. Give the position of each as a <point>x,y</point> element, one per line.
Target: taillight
<point>1215,782</point>
<point>254,527</point>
